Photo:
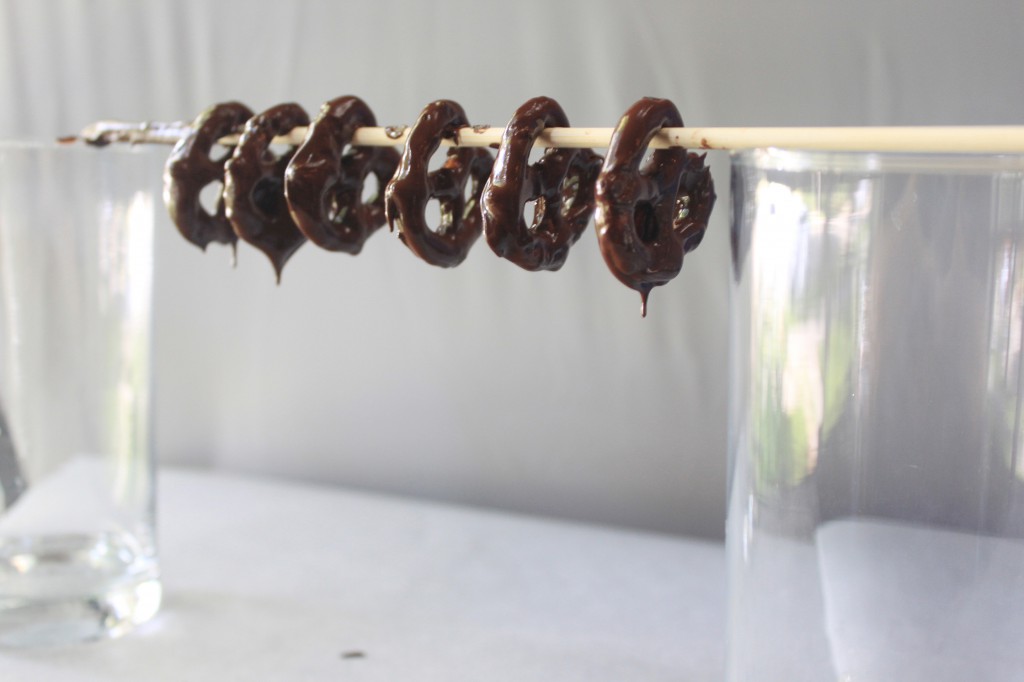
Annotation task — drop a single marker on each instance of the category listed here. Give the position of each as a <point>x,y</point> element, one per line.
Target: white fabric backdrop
<point>484,384</point>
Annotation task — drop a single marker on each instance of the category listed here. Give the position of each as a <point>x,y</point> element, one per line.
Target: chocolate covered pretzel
<point>254,185</point>
<point>324,180</point>
<point>414,185</point>
<point>191,167</point>
<point>651,208</point>
<point>561,182</point>
<point>649,216</point>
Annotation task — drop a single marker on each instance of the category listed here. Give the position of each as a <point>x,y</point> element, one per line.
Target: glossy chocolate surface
<point>650,208</point>
<point>650,213</point>
<point>414,185</point>
<point>325,178</point>
<point>190,168</point>
<point>254,185</point>
<point>561,182</point>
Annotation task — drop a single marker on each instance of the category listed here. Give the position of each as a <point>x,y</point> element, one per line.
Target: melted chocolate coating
<point>414,185</point>
<point>324,184</point>
<point>561,182</point>
<point>648,218</point>
<point>648,214</point>
<point>697,202</point>
<point>254,185</point>
<point>190,168</point>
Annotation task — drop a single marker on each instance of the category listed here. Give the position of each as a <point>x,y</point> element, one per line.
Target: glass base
<point>72,588</point>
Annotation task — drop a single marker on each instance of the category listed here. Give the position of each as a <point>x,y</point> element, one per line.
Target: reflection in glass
<point>876,519</point>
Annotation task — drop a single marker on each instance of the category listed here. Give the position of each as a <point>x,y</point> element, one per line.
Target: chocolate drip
<point>649,217</point>
<point>254,186</point>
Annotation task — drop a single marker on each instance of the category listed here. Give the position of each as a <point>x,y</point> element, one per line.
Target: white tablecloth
<point>277,581</point>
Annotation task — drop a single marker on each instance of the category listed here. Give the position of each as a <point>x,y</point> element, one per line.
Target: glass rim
<point>802,160</point>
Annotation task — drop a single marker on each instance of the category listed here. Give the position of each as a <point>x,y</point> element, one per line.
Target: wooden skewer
<point>988,139</point>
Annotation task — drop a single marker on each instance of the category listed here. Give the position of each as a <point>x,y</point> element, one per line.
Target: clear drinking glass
<point>77,552</point>
<point>876,509</point>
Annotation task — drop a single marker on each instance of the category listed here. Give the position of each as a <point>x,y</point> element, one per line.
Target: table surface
<point>265,580</point>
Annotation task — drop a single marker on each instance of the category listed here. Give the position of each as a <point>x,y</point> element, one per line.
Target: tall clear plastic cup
<point>77,550</point>
<point>876,506</point>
